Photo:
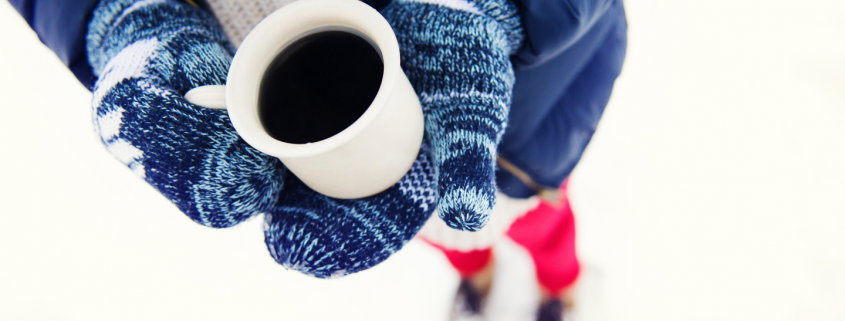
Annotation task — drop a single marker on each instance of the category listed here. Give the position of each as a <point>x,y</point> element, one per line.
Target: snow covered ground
<point>713,190</point>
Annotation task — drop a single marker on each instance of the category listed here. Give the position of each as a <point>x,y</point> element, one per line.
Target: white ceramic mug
<point>367,157</point>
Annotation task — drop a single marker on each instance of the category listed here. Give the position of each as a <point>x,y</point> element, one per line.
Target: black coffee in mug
<point>318,86</point>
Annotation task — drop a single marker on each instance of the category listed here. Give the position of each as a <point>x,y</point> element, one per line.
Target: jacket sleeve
<point>559,99</point>
<point>61,25</point>
<point>552,26</point>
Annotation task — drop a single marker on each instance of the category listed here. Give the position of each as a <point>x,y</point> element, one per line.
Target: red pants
<point>548,233</point>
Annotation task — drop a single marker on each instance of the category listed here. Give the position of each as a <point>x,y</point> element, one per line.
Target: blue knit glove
<point>456,55</point>
<point>147,55</point>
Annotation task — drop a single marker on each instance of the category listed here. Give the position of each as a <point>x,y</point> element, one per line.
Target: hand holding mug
<point>318,85</point>
<point>457,57</point>
<point>148,54</point>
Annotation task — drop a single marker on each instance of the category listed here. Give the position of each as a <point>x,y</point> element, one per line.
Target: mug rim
<point>282,28</point>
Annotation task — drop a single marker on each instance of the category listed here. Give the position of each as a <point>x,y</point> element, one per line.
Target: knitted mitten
<point>456,55</point>
<point>147,55</point>
<point>329,237</point>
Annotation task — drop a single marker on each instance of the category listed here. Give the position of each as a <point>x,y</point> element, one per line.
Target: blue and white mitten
<point>147,55</point>
<point>456,55</point>
<point>328,237</point>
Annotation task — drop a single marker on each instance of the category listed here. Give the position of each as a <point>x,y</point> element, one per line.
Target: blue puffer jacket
<point>564,75</point>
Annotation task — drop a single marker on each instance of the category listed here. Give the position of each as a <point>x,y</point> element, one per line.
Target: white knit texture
<point>239,17</point>
<point>454,4</point>
<point>506,211</point>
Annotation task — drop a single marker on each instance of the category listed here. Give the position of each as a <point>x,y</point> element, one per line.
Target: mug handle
<point>213,96</point>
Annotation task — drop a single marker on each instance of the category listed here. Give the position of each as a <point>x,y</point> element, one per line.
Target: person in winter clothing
<point>512,91</point>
